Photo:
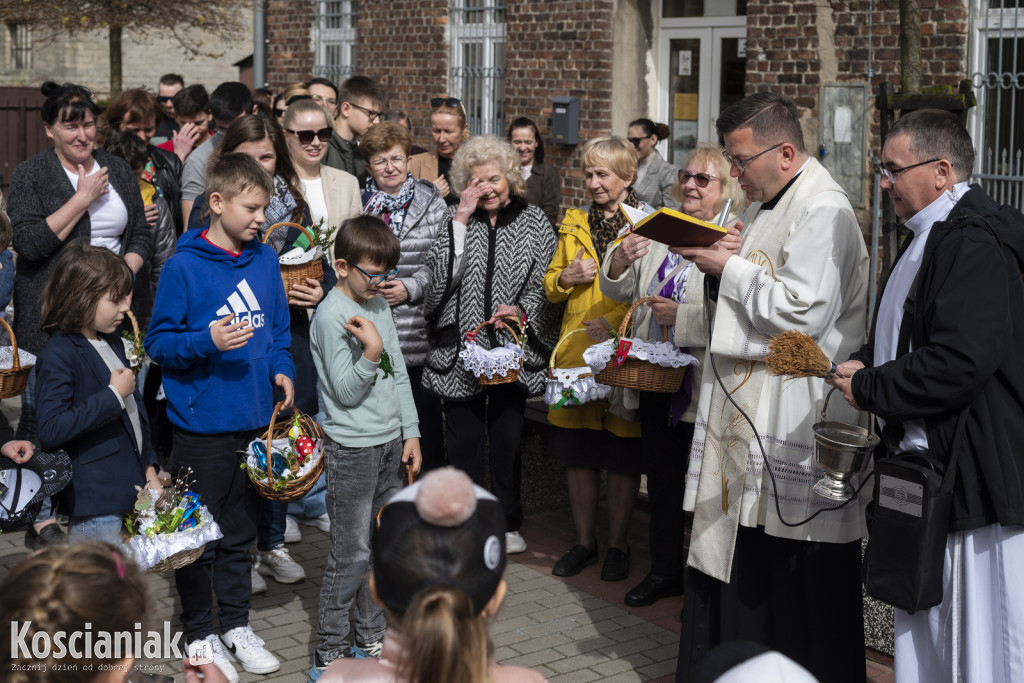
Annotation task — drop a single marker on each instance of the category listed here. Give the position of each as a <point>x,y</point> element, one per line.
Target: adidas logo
<point>243,305</point>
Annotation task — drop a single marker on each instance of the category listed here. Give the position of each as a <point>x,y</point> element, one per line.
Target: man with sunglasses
<point>757,569</point>
<point>168,87</point>
<point>361,102</point>
<point>948,337</point>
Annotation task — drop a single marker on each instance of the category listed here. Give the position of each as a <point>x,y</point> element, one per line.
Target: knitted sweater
<point>39,187</point>
<point>504,264</point>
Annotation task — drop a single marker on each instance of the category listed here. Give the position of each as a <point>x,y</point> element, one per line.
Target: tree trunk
<point>115,61</point>
<point>910,46</point>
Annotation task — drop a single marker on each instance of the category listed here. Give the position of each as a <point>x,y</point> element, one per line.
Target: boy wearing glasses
<point>361,103</point>
<point>371,426</point>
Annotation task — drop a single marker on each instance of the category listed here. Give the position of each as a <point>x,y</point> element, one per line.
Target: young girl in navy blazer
<point>88,403</point>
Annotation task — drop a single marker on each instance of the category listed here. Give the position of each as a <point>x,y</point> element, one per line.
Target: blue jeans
<point>271,529</point>
<point>359,482</point>
<point>107,528</point>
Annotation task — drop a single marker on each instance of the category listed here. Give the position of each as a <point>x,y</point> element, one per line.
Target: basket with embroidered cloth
<point>633,363</point>
<point>567,387</point>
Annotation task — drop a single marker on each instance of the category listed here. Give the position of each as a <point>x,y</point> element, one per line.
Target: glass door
<point>703,71</point>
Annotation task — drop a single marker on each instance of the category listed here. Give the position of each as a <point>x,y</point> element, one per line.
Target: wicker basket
<point>296,274</point>
<point>14,379</point>
<point>295,488</point>
<point>177,560</point>
<point>554,353</point>
<point>640,374</point>
<point>511,375</point>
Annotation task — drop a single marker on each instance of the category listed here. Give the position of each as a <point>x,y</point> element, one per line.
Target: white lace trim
<point>148,551</point>
<point>665,354</point>
<point>7,358</point>
<point>491,362</point>
<point>297,256</point>
<point>566,380</point>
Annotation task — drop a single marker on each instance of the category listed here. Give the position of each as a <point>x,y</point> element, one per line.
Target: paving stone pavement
<point>563,632</point>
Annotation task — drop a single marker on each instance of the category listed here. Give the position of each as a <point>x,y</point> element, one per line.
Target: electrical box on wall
<point>842,136</point>
<point>565,120</point>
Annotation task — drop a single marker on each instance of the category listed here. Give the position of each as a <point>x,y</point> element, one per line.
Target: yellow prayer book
<point>672,227</point>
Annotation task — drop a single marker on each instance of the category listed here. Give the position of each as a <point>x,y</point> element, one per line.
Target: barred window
<point>21,46</point>
<point>335,39</point>
<point>478,62</point>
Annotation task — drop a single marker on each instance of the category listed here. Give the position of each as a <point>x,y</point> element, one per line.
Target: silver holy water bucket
<point>842,450</point>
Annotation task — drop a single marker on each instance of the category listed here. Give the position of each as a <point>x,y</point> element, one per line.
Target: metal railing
<point>335,39</point>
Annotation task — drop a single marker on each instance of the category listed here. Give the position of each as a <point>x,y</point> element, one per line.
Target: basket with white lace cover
<point>637,364</point>
<point>567,387</point>
<point>499,365</point>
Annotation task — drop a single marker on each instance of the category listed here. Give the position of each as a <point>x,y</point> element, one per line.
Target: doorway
<point>703,71</point>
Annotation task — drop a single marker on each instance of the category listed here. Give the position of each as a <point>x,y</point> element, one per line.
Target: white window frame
<point>481,85</point>
<point>334,39</point>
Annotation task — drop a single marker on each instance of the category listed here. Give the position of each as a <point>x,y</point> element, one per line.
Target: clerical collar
<point>938,210</point>
<point>769,205</point>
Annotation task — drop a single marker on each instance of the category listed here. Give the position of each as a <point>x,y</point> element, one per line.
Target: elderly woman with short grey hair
<point>487,263</point>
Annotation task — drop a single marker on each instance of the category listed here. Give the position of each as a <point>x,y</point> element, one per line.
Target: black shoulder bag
<point>912,506</point>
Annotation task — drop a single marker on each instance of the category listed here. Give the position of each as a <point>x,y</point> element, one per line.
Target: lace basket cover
<point>665,354</point>
<point>7,358</point>
<point>148,551</point>
<point>283,446</point>
<point>571,385</point>
<point>491,362</point>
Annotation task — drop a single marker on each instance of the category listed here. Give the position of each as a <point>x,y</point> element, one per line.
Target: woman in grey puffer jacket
<point>414,210</point>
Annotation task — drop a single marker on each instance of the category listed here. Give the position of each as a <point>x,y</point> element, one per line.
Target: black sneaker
<point>50,534</point>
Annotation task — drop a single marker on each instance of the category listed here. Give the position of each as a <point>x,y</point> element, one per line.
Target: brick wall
<point>289,42</point>
<point>561,48</point>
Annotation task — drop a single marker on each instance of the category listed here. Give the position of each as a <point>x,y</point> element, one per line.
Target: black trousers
<point>493,419</point>
<point>233,502</point>
<point>666,452</point>
<point>802,598</point>
<point>428,408</point>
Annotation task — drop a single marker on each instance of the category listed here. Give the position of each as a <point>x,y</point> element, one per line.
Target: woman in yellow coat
<point>598,435</point>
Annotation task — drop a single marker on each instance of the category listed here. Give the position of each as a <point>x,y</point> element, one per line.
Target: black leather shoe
<point>616,565</point>
<point>573,562</point>
<point>51,534</point>
<point>652,589</point>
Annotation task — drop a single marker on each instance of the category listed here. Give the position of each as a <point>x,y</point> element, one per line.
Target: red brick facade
<point>565,47</point>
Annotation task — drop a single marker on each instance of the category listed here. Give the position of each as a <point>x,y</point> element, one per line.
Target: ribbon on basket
<point>568,396</point>
<point>622,352</point>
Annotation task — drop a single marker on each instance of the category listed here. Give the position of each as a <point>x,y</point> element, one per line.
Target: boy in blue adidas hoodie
<point>220,334</point>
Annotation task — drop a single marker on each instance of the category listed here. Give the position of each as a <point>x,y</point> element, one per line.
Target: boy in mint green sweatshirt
<point>371,427</point>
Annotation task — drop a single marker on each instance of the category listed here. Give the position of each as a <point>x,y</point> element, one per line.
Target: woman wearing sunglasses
<point>655,177</point>
<point>413,209</point>
<point>449,129</point>
<point>637,268</point>
<point>332,195</point>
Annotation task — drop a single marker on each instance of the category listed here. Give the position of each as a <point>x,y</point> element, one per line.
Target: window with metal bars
<point>335,39</point>
<point>477,62</point>
<point>20,37</point>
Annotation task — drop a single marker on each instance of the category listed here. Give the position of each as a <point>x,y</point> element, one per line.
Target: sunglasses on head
<point>306,136</point>
<point>447,101</point>
<point>699,179</point>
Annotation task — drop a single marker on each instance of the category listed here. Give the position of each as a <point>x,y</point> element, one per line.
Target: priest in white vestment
<point>758,570</point>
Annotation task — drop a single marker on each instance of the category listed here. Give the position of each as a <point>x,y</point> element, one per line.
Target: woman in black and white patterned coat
<point>489,259</point>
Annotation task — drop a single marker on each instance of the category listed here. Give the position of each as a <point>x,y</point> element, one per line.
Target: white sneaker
<point>514,543</point>
<point>280,565</point>
<point>210,649</point>
<point>323,522</point>
<point>291,530</point>
<point>258,584</point>
<point>247,648</point>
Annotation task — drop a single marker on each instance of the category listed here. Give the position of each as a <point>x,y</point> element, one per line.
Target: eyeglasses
<point>329,101</point>
<point>891,173</point>
<point>383,163</point>
<point>636,141</point>
<point>306,136</point>
<point>375,280</point>
<point>452,102</point>
<point>741,164</point>
<point>370,113</point>
<point>165,99</point>
<point>699,179</point>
